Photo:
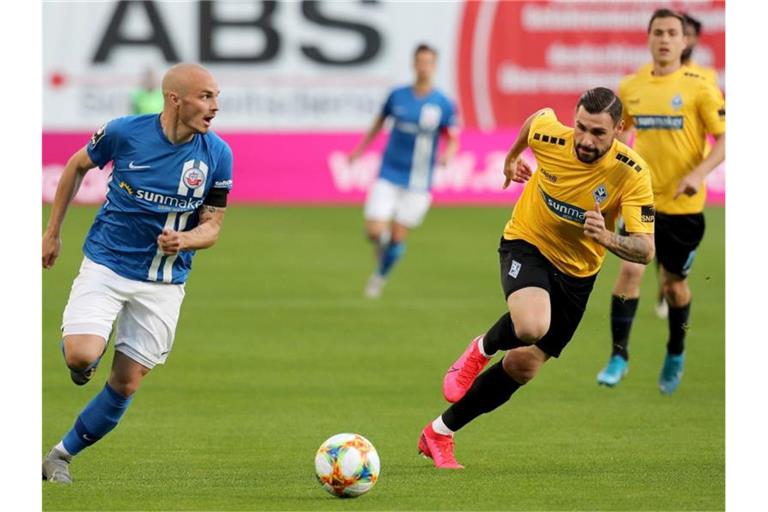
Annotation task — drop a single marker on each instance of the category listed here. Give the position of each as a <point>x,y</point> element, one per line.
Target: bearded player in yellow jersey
<point>550,253</point>
<point>672,110</point>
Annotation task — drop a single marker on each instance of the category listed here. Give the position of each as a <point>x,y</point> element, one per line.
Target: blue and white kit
<point>124,276</point>
<point>409,158</point>
<point>155,184</point>
<point>402,190</point>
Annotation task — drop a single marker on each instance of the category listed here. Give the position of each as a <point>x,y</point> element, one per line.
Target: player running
<point>167,197</point>
<point>400,197</point>
<point>693,29</point>
<point>550,253</point>
<point>672,109</point>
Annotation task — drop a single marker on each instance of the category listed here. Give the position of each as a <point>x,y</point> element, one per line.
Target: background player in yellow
<point>692,33</point>
<point>693,29</point>
<point>672,110</point>
<point>550,253</point>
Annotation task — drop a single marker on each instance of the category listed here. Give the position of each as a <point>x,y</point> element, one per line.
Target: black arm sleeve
<point>216,197</point>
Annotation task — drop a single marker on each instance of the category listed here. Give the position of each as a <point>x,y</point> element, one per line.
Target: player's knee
<point>399,233</point>
<point>631,273</point>
<point>124,386</point>
<point>79,356</point>
<point>372,236</point>
<point>677,293</point>
<point>531,330</point>
<point>377,234</point>
<point>521,366</point>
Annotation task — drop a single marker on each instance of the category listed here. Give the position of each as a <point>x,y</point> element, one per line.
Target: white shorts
<point>146,312</point>
<point>387,201</point>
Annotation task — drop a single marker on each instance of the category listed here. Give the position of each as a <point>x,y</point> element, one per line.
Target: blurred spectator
<point>148,98</point>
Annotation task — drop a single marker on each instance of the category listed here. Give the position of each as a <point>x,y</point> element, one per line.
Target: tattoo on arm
<point>207,212</point>
<point>630,248</point>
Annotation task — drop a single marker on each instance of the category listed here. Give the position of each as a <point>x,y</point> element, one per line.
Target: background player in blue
<point>400,198</point>
<point>166,198</point>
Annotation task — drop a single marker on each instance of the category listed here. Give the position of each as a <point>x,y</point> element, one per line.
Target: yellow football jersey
<point>672,115</point>
<point>551,210</point>
<point>693,66</point>
<point>708,73</point>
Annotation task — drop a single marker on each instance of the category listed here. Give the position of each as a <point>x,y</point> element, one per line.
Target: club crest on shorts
<point>514,269</point>
<point>600,194</point>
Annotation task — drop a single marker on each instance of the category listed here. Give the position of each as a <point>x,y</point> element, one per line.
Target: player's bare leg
<point>531,313</point>
<point>624,301</point>
<point>127,375</point>
<point>678,296</point>
<point>390,248</point>
<point>82,353</point>
<point>379,234</point>
<point>98,418</point>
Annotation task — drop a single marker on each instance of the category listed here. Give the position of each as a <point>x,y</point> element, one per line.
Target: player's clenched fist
<point>51,249</point>
<point>516,169</point>
<point>169,242</point>
<point>594,224</point>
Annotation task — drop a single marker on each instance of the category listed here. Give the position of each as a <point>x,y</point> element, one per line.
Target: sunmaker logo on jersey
<point>562,209</point>
<point>192,179</point>
<point>174,202</point>
<point>659,122</point>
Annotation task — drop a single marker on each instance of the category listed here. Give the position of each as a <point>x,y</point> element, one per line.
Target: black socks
<point>492,388</point>
<point>622,315</point>
<point>678,326</point>
<point>501,336</point>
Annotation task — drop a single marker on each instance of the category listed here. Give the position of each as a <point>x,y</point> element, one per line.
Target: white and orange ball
<point>347,465</point>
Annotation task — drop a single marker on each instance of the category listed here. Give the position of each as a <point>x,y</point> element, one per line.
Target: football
<point>347,465</point>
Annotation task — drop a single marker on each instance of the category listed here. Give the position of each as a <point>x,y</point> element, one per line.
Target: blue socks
<point>391,254</point>
<point>98,418</point>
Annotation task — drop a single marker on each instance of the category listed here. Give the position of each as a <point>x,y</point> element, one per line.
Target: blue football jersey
<point>409,158</point>
<point>154,185</point>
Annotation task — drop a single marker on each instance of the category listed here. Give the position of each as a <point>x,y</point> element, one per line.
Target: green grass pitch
<point>276,350</point>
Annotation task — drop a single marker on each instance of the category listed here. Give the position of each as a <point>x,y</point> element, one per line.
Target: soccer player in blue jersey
<point>166,198</point>
<point>400,198</point>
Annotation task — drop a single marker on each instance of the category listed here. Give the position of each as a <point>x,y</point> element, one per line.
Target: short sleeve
<point>541,121</point>
<point>389,105</point>
<point>449,116</point>
<point>637,205</point>
<point>223,177</point>
<point>711,109</point>
<point>104,142</point>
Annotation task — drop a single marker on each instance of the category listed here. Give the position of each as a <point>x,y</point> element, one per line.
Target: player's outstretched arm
<point>374,130</point>
<point>69,183</point>
<point>691,183</point>
<point>515,168</point>
<point>451,146</point>
<point>637,247</point>
<point>204,235</point>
